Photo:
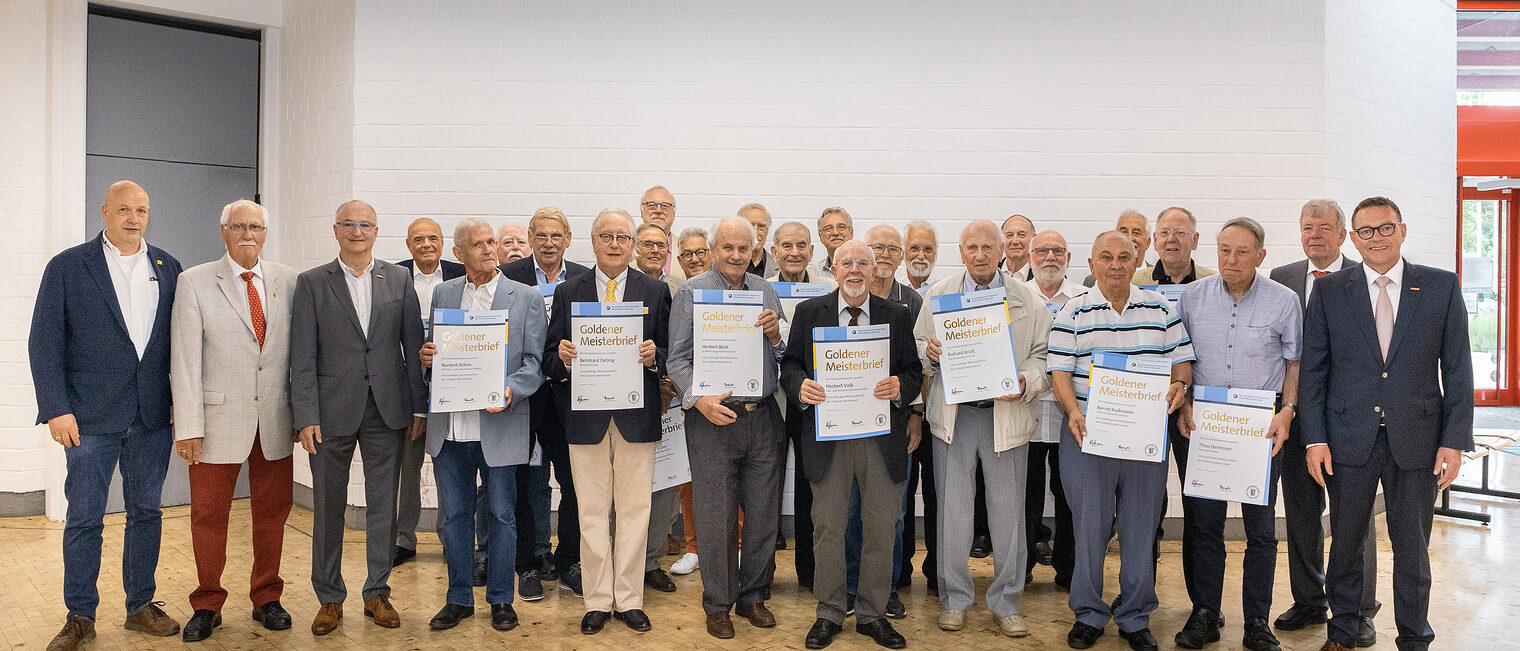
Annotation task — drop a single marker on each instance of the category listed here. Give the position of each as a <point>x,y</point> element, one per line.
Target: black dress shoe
<point>593,622</point>
<point>1140,640</point>
<point>881,630</point>
<point>1083,636</point>
<point>200,625</point>
<point>780,543</point>
<point>1298,617</point>
<point>529,588</point>
<point>1259,636</point>
<point>895,607</point>
<point>272,616</point>
<point>547,570</point>
<point>635,619</point>
<point>402,555</point>
<point>503,618</point>
<point>659,580</point>
<point>478,576</point>
<point>450,616</point>
<point>570,580</point>
<point>1042,552</point>
<point>821,634</point>
<point>1202,628</point>
<point>981,547</point>
<point>1366,632</point>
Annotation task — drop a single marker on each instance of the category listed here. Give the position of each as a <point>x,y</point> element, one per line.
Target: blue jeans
<point>454,469</point>
<point>143,455</point>
<point>852,543</point>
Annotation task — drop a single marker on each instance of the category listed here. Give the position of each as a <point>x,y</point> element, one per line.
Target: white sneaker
<point>1013,626</point>
<point>685,565</point>
<point>952,619</point>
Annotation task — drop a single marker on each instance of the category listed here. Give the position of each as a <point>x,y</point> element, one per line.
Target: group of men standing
<point>338,359</point>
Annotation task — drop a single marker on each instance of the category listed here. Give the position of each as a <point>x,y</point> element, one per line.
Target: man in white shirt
<point>1017,231</point>
<point>835,227</point>
<point>921,250</point>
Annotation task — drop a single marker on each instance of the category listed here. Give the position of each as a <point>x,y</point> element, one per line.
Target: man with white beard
<point>921,250</point>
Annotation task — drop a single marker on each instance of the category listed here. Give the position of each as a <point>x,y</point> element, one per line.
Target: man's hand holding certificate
<point>976,360</point>
<point>1127,406</point>
<point>469,367</point>
<point>850,364</point>
<point>607,371</point>
<point>727,343</point>
<point>1230,451</point>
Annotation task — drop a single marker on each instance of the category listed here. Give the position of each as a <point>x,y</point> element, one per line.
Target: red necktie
<point>855,313</point>
<point>1318,274</point>
<point>255,308</point>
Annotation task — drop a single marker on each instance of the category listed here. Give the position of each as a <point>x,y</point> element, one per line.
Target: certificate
<point>606,373</point>
<point>791,294</point>
<point>976,359</point>
<point>1229,454</point>
<point>1126,406</point>
<point>469,370</point>
<point>1173,293</point>
<point>547,290</point>
<point>849,362</point>
<point>728,349</point>
<point>671,467</point>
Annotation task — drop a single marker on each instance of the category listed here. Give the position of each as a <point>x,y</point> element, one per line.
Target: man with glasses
<point>1017,230</point>
<point>612,451</point>
<point>1049,259</point>
<point>1387,390</point>
<point>550,231</point>
<point>1322,232</point>
<point>513,243</point>
<point>760,264</point>
<point>692,254</point>
<point>658,206</point>
<point>835,227</point>
<point>652,250</point>
<point>355,382</point>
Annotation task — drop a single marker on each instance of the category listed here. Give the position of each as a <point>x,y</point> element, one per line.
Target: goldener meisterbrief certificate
<point>671,467</point>
<point>1229,454</point>
<point>1126,406</point>
<point>469,370</point>
<point>849,361</point>
<point>606,373</point>
<point>976,359</point>
<point>792,294</point>
<point>727,347</point>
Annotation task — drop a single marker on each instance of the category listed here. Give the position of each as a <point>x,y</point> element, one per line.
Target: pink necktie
<point>1383,314</point>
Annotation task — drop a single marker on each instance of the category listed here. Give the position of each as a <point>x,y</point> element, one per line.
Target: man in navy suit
<point>99,351</point>
<point>1387,392</point>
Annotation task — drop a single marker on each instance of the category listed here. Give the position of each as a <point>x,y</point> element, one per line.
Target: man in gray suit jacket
<point>492,441</point>
<point>229,370</point>
<point>1322,231</point>
<point>355,380</point>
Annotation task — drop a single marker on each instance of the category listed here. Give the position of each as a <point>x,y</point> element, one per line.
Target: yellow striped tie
<point>611,296</point>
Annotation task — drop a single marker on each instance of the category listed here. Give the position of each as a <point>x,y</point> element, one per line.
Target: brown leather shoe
<point>757,614</point>
<point>327,618</point>
<point>379,609</point>
<point>720,626</point>
<point>1331,646</point>
<point>76,631</point>
<point>152,620</point>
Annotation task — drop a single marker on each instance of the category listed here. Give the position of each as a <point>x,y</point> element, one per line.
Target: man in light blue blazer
<point>490,441</point>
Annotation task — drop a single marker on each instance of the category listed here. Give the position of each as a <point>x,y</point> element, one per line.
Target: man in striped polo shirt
<point>1113,316</point>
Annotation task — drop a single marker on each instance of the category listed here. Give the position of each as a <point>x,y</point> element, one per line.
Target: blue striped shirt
<point>1088,323</point>
<point>1245,343</point>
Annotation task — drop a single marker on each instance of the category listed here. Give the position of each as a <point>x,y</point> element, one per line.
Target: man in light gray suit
<point>492,441</point>
<point>355,380</point>
<point>1322,231</point>
<point>229,370</point>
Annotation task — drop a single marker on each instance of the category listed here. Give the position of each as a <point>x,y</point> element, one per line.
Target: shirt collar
<point>1331,268</point>
<point>1067,289</point>
<point>1158,274</point>
<point>350,270</point>
<point>558,274</point>
<point>865,308</point>
<point>237,269</point>
<point>1396,274</point>
<point>437,271</point>
<point>970,285</point>
<point>112,251</point>
<point>495,276</point>
<point>602,278</point>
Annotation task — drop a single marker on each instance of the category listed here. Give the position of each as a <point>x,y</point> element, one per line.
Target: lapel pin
<point>1414,289</point>
<point>158,261</point>
<point>379,275</point>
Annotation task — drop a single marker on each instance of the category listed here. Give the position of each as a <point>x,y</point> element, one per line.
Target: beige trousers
<point>613,476</point>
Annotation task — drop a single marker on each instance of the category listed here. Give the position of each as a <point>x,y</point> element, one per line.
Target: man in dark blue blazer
<point>1387,392</point>
<point>99,351</point>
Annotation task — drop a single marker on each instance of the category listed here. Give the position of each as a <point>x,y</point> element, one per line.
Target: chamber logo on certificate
<point>671,466</point>
<point>1229,454</point>
<point>1126,406</point>
<point>792,294</point>
<point>469,370</point>
<point>976,360</point>
<point>606,373</point>
<point>849,361</point>
<point>727,347</point>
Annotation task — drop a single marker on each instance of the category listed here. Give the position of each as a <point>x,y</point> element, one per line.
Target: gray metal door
<point>174,106</point>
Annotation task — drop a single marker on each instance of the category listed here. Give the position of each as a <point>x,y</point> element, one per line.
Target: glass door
<point>1484,250</point>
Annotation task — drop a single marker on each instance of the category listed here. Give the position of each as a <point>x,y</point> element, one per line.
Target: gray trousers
<point>664,507</point>
<point>1303,505</point>
<point>381,448</point>
<point>955,480</point>
<point>1094,485</point>
<point>856,461</point>
<point>732,467</point>
<point>409,493</point>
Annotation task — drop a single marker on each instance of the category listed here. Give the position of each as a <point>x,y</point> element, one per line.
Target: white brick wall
<point>23,183</point>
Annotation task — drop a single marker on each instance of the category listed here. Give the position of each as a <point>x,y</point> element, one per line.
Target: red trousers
<point>211,487</point>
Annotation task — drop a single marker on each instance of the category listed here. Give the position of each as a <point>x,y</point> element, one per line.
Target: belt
<point>739,406</point>
<point>980,404</point>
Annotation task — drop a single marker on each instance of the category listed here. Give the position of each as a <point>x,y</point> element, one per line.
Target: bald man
<point>99,351</point>
<point>512,242</point>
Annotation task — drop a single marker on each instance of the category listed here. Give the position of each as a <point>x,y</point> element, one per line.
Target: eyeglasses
<point>693,254</point>
<point>857,263</point>
<point>1167,233</point>
<point>251,228</point>
<point>919,248</point>
<point>350,225</point>
<point>1385,230</point>
<point>557,238</point>
<point>1055,251</point>
<point>886,248</point>
<point>658,205</point>
<point>607,238</point>
<point>840,228</point>
<point>653,245</point>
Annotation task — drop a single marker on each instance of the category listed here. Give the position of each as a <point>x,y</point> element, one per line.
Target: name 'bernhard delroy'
<point>596,334</point>
<point>966,328</point>
<point>465,342</point>
<point>1118,387</point>
<point>850,360</point>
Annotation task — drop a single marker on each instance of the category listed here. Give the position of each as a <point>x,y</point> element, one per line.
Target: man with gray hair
<point>920,251</point>
<point>760,263</point>
<point>835,227</point>
<point>736,445</point>
<point>1132,224</point>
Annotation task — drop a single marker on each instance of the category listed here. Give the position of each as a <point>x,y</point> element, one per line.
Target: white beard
<point>1047,278</point>
<point>920,268</point>
<point>853,292</point>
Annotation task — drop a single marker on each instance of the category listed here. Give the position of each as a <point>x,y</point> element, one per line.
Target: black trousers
<point>1063,546</point>
<point>1203,553</point>
<point>802,517</point>
<point>921,474</point>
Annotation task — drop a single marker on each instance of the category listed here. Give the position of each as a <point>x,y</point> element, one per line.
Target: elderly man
<point>736,445</point>
<point>658,206</point>
<point>513,243</point>
<point>1322,232</point>
<point>1049,260</point>
<point>834,227</point>
<point>760,263</point>
<point>1017,230</point>
<point>424,240</point>
<point>692,254</point>
<point>1176,240</point>
<point>489,442</point>
<point>1387,390</point>
<point>231,338</point>
<point>1246,333</point>
<point>612,451</point>
<point>865,475</point>
<point>792,249</point>
<point>546,269</point>
<point>1132,224</point>
<point>1107,317</point>
<point>99,350</point>
<point>990,434</point>
<point>921,251</point>
<point>355,382</point>
<point>653,253</point>
<point>652,250</point>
